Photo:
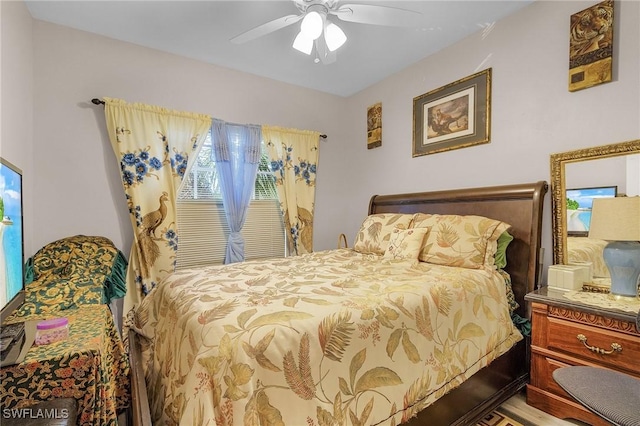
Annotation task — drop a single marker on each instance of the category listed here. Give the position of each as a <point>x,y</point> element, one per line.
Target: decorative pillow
<point>462,241</point>
<point>405,243</point>
<point>373,236</point>
<point>500,258</point>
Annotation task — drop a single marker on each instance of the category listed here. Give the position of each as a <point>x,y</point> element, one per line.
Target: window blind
<point>203,232</point>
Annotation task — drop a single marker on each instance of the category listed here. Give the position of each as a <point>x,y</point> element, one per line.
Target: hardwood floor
<point>516,407</point>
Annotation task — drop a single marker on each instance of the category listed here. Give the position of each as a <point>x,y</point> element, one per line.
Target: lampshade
<point>617,220</point>
<point>312,25</point>
<point>303,44</point>
<point>334,36</point>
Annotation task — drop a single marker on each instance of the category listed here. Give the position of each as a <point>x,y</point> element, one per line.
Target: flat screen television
<point>11,238</point>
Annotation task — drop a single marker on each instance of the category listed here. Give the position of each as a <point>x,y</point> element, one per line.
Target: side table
<point>567,331</point>
<point>90,366</point>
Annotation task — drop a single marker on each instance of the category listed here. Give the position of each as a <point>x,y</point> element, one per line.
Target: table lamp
<point>617,220</point>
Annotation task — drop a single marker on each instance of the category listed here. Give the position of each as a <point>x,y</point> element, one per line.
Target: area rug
<point>498,419</point>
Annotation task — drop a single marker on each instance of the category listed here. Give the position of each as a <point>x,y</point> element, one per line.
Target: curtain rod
<point>97,101</point>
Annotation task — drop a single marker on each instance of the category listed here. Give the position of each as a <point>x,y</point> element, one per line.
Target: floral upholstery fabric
<point>405,243</point>
<point>375,231</point>
<point>89,366</point>
<point>71,272</point>
<point>462,241</point>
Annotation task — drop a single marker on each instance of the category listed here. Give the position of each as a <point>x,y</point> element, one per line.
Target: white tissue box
<point>568,277</point>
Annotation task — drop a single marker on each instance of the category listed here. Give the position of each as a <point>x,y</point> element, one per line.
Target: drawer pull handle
<point>614,346</point>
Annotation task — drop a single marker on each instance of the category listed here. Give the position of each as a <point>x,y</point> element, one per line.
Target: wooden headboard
<point>519,205</point>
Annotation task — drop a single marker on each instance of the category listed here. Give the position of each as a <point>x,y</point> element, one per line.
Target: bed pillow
<point>462,241</point>
<point>500,257</point>
<point>405,243</point>
<point>373,236</point>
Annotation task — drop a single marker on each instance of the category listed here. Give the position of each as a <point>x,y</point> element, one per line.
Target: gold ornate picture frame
<point>453,116</point>
<point>591,46</point>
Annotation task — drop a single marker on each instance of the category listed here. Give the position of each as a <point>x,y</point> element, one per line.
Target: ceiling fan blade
<point>266,28</point>
<point>377,15</point>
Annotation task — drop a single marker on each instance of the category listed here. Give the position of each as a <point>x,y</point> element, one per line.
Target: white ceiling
<point>202,29</point>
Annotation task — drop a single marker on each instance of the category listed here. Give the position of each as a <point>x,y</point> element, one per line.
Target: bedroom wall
<point>533,114</point>
<point>16,99</point>
<point>80,189</point>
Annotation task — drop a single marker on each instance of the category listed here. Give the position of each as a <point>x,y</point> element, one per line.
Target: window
<point>202,223</point>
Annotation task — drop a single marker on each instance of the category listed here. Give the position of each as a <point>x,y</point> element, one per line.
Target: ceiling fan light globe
<point>312,25</point>
<point>303,44</point>
<point>334,36</point>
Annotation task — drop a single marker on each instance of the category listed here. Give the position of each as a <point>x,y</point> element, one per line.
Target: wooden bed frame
<point>521,206</point>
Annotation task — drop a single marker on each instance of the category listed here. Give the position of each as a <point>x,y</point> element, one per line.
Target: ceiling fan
<point>315,16</point>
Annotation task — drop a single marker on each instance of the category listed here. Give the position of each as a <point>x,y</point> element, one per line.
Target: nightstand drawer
<point>544,368</point>
<point>556,324</point>
<point>605,347</point>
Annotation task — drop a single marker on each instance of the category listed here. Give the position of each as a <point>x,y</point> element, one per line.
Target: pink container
<point>52,330</point>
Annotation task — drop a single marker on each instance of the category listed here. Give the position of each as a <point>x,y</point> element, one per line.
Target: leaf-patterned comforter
<point>332,337</point>
<point>581,249</point>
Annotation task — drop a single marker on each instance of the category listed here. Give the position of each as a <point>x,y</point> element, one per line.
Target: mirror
<point>591,167</point>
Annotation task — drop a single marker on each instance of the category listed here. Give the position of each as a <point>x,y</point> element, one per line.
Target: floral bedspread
<point>332,337</point>
<point>582,249</point>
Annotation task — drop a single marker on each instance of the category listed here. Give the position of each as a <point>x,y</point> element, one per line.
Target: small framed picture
<point>453,116</point>
<point>591,46</point>
<point>374,126</point>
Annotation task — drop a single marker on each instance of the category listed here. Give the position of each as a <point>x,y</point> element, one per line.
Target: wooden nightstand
<point>567,332</point>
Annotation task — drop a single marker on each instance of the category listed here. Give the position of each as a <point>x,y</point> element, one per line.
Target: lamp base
<point>623,260</point>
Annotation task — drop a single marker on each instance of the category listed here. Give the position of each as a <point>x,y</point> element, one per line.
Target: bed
<point>347,336</point>
<point>588,250</point>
